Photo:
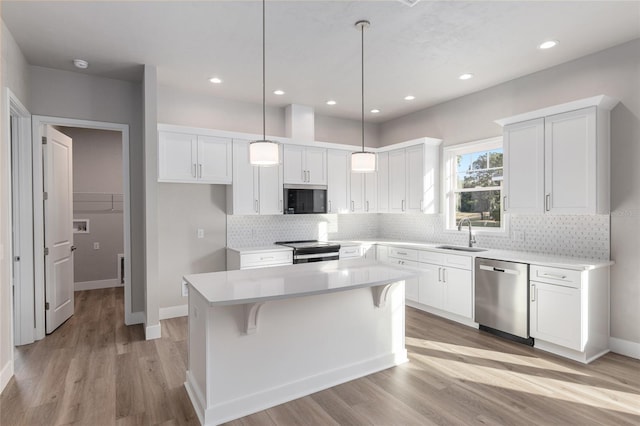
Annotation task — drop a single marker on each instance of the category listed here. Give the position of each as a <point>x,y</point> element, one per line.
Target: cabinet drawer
<point>564,277</point>
<point>271,258</point>
<point>350,251</point>
<point>402,253</point>
<point>409,263</point>
<point>457,261</point>
<point>431,257</point>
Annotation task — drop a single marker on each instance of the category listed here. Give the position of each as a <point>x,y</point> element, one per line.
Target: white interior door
<point>58,233</point>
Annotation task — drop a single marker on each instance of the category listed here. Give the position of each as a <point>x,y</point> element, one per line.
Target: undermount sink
<point>460,248</point>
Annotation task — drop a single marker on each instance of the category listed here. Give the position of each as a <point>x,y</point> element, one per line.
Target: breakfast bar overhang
<point>262,337</point>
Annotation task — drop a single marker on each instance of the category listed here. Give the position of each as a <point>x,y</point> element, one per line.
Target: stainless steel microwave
<point>305,199</point>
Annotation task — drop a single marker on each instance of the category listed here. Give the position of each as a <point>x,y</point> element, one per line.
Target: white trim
<point>6,373</point>
<point>153,332</point>
<point>174,312</point>
<point>288,141</point>
<point>449,154</point>
<point>38,121</point>
<point>624,347</point>
<point>97,284</point>
<point>19,164</point>
<point>601,101</point>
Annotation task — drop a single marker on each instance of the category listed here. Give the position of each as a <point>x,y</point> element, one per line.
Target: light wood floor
<point>96,371</point>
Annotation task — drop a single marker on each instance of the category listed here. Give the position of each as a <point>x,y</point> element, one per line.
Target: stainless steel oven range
<point>312,250</point>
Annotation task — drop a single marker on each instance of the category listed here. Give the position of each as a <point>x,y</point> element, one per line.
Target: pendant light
<point>264,152</point>
<point>363,161</point>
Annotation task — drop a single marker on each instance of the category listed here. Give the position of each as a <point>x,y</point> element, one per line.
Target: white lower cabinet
<point>447,289</point>
<point>445,281</point>
<point>569,311</point>
<point>252,259</point>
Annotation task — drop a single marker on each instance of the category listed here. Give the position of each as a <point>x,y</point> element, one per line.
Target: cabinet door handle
<point>557,277</point>
<point>533,292</point>
<point>193,170</point>
<point>280,206</point>
<point>304,175</point>
<point>199,170</point>
<point>444,275</point>
<point>504,203</point>
<point>367,205</point>
<point>547,202</point>
<point>353,206</point>
<point>402,205</point>
<point>330,209</point>
<point>255,205</point>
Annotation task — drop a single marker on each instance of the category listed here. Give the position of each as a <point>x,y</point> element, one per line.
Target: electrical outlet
<point>185,289</point>
<point>518,235</point>
<point>96,246</point>
<point>200,233</point>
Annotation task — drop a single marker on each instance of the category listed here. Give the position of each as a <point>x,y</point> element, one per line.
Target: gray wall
<point>182,209</point>
<point>14,75</point>
<point>97,168</point>
<point>80,96</point>
<point>614,72</point>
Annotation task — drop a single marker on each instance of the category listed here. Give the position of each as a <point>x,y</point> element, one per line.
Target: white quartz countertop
<point>261,249</point>
<point>507,255</point>
<point>541,259</point>
<point>283,282</point>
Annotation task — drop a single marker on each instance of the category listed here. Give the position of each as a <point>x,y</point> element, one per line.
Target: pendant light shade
<point>264,152</point>
<point>363,161</point>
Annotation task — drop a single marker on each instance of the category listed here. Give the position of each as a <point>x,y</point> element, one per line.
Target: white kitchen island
<point>262,337</point>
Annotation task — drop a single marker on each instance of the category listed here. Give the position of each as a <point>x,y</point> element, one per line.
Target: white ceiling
<point>313,49</point>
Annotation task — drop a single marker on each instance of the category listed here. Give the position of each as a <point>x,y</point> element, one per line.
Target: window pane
<point>481,207</point>
<point>479,179</point>
<point>495,158</point>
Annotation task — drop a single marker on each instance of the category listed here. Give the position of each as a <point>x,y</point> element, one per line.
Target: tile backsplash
<point>575,236</point>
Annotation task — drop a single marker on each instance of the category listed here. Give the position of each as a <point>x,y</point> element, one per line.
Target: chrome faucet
<point>472,238</point>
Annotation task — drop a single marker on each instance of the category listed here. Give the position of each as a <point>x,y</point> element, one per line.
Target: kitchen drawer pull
<point>533,292</point>
<point>402,253</point>
<point>267,258</point>
<point>557,277</point>
<point>349,251</point>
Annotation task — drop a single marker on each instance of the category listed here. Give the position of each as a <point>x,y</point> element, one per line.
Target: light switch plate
<point>200,233</point>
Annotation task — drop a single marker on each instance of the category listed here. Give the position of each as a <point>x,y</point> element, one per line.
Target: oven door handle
<point>317,255</point>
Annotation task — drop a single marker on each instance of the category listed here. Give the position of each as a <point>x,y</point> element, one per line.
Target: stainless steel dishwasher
<point>502,298</point>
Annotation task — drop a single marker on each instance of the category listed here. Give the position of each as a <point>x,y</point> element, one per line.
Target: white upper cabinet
<point>305,165</point>
<point>338,200</point>
<point>192,158</point>
<point>556,160</point>
<point>357,193</point>
<point>371,192</point>
<point>383,182</point>
<point>570,160</point>
<point>524,168</point>
<point>255,190</point>
<point>413,179</point>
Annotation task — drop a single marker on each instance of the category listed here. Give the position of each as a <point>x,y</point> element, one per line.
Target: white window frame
<point>450,175</point>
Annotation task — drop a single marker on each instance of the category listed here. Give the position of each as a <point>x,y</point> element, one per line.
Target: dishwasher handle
<point>500,270</point>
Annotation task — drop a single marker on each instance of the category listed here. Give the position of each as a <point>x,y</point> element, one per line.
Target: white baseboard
<point>94,285</point>
<point>153,332</point>
<point>174,312</point>
<point>624,347</point>
<point>6,374</point>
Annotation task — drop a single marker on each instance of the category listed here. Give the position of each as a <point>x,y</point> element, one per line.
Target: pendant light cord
<point>362,59</point>
<point>264,113</point>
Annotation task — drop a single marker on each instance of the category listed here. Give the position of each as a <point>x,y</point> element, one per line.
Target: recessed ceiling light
<point>409,98</point>
<point>81,63</point>
<point>375,111</point>
<point>278,92</point>
<point>548,44</point>
<point>215,80</point>
<point>465,76</point>
<point>331,102</point>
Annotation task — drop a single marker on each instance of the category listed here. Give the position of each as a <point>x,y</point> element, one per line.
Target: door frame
<point>38,122</point>
<point>18,169</point>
